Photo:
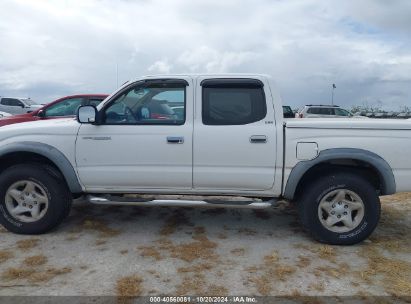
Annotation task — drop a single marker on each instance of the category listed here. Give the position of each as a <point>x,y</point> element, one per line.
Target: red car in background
<point>63,107</point>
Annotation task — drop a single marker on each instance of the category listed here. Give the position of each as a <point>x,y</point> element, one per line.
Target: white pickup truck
<point>228,138</point>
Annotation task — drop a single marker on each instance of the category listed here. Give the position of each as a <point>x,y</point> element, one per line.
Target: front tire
<point>339,209</point>
<point>34,199</point>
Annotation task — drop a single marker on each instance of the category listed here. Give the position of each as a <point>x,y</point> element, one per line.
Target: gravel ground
<point>183,251</point>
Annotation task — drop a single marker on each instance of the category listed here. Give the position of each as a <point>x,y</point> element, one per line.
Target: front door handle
<point>258,139</point>
<point>175,139</point>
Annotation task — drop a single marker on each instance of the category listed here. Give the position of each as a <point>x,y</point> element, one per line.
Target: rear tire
<point>34,198</point>
<point>339,209</point>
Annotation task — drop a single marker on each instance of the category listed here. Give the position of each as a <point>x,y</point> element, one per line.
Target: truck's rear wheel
<point>33,199</point>
<point>339,209</point>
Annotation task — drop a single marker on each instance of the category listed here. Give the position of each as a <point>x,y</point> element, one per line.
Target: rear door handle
<point>175,139</point>
<point>258,139</point>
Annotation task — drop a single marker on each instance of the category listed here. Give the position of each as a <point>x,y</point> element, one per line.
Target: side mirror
<point>86,114</point>
<point>41,114</point>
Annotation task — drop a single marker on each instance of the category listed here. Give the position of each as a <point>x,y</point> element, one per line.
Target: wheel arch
<point>23,152</point>
<point>360,161</point>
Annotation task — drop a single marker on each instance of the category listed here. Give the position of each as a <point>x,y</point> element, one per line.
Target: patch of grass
<point>33,275</point>
<point>318,286</point>
<point>303,261</point>
<point>202,248</point>
<point>327,252</point>
<point>36,260</point>
<point>150,251</point>
<point>302,246</point>
<point>328,271</point>
<point>272,258</point>
<point>130,286</point>
<point>272,270</point>
<point>15,273</point>
<point>252,269</point>
<point>263,284</point>
<point>48,274</point>
<point>27,244</point>
<point>191,285</point>
<point>216,291</point>
<point>179,218</point>
<point>396,273</point>
<point>5,255</point>
<point>284,271</point>
<point>195,268</point>
<point>101,227</point>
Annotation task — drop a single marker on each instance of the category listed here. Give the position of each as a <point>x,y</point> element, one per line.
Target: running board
<point>212,203</point>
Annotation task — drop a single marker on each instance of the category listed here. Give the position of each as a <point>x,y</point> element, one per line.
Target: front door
<point>140,141</point>
<point>235,138</point>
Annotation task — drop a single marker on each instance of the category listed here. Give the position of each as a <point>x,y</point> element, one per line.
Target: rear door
<point>235,138</point>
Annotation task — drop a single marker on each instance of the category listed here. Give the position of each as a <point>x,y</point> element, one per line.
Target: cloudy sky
<point>49,49</point>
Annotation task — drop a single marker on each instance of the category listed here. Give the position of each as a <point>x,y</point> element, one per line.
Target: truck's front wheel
<point>33,199</point>
<point>340,209</point>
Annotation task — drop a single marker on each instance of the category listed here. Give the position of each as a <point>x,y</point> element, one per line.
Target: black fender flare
<point>378,163</point>
<point>51,153</point>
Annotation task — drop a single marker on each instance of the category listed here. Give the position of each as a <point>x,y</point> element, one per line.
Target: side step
<point>212,203</point>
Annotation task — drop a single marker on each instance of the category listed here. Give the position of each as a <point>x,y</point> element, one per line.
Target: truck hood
<point>349,123</point>
<point>64,126</point>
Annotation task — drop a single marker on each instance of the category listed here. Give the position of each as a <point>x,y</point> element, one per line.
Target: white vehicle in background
<point>4,114</point>
<point>325,111</point>
<point>230,140</point>
<point>15,106</point>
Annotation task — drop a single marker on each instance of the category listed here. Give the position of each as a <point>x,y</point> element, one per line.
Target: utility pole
<point>332,94</point>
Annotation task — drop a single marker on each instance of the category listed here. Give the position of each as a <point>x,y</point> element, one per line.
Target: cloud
<point>63,47</point>
<point>206,59</point>
<point>160,66</point>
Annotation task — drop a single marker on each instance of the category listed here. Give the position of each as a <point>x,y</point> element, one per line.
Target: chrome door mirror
<point>86,114</point>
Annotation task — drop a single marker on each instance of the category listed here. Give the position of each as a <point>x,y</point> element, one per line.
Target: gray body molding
<point>54,155</point>
<point>383,168</point>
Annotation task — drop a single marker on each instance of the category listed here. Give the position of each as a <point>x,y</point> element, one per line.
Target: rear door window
<point>233,103</point>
